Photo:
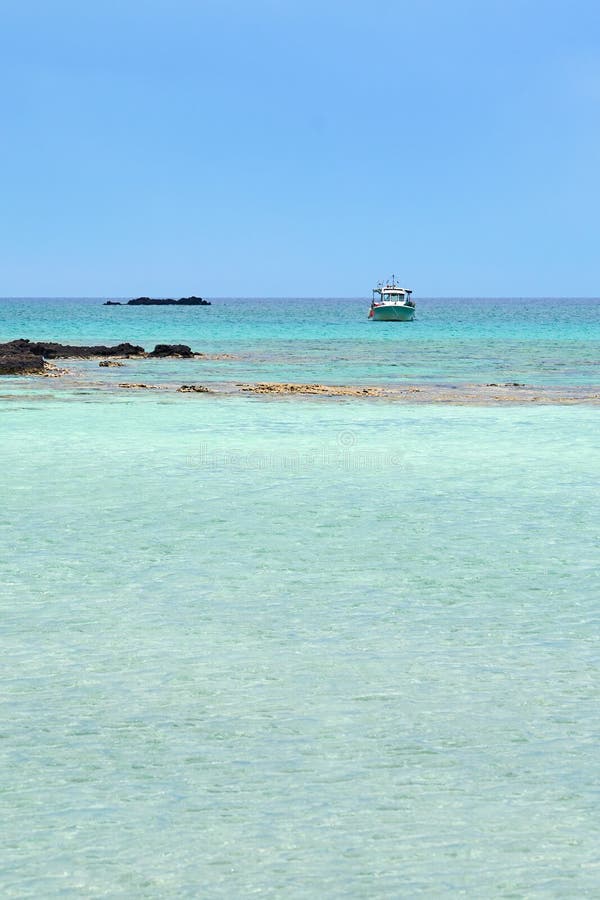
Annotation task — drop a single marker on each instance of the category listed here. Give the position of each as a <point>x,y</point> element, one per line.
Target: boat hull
<point>393,313</point>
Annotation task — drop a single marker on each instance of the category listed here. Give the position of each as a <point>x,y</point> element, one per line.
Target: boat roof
<point>391,289</point>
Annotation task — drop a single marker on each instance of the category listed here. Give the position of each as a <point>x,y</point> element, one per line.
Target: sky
<point>299,147</point>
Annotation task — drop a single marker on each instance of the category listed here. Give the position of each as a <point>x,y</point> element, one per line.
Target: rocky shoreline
<point>25,357</point>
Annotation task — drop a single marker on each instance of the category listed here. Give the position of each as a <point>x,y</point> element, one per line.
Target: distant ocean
<point>301,649</point>
<point>540,341</point>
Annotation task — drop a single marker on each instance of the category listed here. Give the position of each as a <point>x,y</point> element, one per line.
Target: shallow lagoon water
<point>298,649</point>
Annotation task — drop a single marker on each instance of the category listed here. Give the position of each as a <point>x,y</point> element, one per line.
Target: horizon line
<point>312,297</point>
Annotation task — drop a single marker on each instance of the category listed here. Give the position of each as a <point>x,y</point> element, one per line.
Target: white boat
<point>393,304</point>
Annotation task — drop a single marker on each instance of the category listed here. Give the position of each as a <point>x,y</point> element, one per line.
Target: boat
<point>393,304</point>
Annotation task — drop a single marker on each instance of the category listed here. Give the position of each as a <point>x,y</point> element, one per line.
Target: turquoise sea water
<point>541,342</point>
<point>296,648</point>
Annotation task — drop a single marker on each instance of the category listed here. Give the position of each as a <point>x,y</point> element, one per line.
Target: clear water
<point>296,649</point>
<point>541,342</point>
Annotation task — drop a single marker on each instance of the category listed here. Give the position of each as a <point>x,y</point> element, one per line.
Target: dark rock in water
<point>27,357</point>
<point>20,361</point>
<point>112,303</point>
<point>183,301</point>
<point>193,389</point>
<point>24,357</point>
<point>112,363</point>
<point>51,350</point>
<point>164,350</point>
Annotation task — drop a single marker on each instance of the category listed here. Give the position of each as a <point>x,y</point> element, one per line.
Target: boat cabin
<point>390,292</point>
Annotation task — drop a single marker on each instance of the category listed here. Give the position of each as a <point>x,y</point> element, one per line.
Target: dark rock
<point>112,363</point>
<point>24,357</point>
<point>20,361</point>
<point>51,350</point>
<point>112,303</point>
<point>164,350</point>
<point>193,389</point>
<point>183,301</point>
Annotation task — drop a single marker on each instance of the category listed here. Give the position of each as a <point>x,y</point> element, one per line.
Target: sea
<point>295,647</point>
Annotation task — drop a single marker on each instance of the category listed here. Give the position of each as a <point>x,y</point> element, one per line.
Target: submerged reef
<point>341,390</point>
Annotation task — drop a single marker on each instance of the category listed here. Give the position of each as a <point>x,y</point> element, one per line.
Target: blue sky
<point>279,147</point>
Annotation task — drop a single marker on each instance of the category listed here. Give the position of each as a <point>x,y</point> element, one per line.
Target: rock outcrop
<point>151,301</point>
<point>165,350</point>
<point>17,360</point>
<point>52,350</point>
<point>24,357</point>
